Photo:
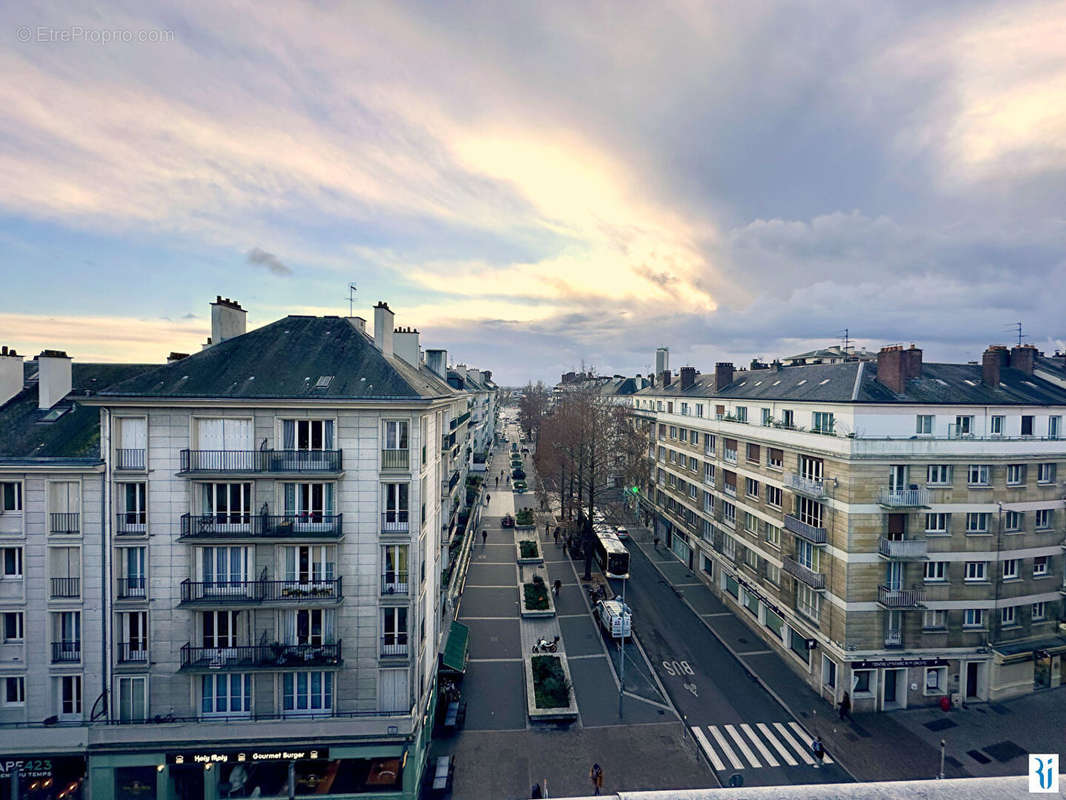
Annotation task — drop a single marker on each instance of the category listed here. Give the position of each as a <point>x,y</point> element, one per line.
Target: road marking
<point>716,762</point>
<point>799,748</point>
<point>722,743</point>
<point>768,757</point>
<point>495,660</point>
<point>743,746</point>
<point>719,614</point>
<point>586,655</point>
<point>753,652</point>
<point>780,748</point>
<point>804,736</point>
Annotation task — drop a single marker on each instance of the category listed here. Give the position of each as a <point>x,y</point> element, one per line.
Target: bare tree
<point>532,406</point>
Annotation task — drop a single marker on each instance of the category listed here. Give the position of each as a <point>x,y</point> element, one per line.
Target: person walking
<point>845,706</point>
<point>596,776</point>
<point>487,498</point>
<point>497,481</point>
<point>557,534</point>
<point>484,538</point>
<point>819,751</point>
<point>557,587</point>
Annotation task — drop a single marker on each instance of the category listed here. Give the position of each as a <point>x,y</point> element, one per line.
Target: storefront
<point>897,683</point>
<point>42,777</point>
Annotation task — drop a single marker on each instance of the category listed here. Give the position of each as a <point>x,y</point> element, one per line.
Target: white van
<point>615,617</point>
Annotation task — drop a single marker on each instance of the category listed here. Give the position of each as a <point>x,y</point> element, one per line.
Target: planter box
<point>545,714</point>
<point>537,559</point>
<point>525,575</point>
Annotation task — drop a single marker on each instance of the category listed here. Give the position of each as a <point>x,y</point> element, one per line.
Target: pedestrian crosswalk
<point>744,746</point>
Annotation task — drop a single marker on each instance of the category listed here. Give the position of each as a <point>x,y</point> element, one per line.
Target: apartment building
<point>895,528</point>
<point>225,576</point>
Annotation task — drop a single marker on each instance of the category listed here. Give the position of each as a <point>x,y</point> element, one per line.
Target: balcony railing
<point>903,498</point>
<point>454,479</point>
<point>893,638</point>
<point>131,523</point>
<point>397,459</point>
<point>64,522</point>
<point>66,587</point>
<point>129,459</point>
<point>132,588</point>
<point>260,461</point>
<point>805,530</point>
<point>394,645</point>
<point>902,548</point>
<point>133,652</point>
<point>808,486</point>
<point>242,526</point>
<point>66,652</point>
<point>460,420</point>
<point>261,656</point>
<point>261,591</point>
<point>900,598</point>
<point>394,521</point>
<point>730,489</point>
<point>394,583</point>
<point>816,580</point>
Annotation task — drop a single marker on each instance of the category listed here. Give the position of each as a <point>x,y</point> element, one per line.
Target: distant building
<point>828,355</point>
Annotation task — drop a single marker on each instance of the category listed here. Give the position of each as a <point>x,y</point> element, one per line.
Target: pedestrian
<point>845,706</point>
<point>596,776</point>
<point>557,534</point>
<point>655,541</point>
<point>536,792</point>
<point>547,525</point>
<point>557,587</point>
<point>819,751</point>
<point>497,481</point>
<point>484,538</point>
<point>487,498</point>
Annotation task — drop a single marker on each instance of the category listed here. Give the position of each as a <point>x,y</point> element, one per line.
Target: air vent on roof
<point>823,382</point>
<point>55,414</point>
<point>775,383</point>
<point>758,383</point>
<point>968,381</point>
<point>323,381</point>
<point>802,382</point>
<point>942,383</point>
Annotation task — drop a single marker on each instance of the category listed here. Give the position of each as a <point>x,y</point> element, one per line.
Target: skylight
<point>823,382</point>
<point>802,382</point>
<point>968,381</point>
<point>323,381</point>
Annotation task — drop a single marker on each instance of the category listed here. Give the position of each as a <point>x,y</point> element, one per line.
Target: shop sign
<point>900,662</point>
<point>247,756</point>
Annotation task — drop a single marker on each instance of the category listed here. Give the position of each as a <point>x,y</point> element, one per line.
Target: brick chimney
<point>892,366</point>
<point>384,325</point>
<point>437,362</point>
<point>228,319</point>
<point>487,375</point>
<point>10,374</point>
<point>406,343</point>
<point>688,377</point>
<point>723,375</point>
<point>913,360</point>
<point>993,361</point>
<point>1023,358</point>
<point>53,377</point>
<point>665,376</point>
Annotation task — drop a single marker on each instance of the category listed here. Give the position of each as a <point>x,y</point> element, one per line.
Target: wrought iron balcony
<point>893,639</point>
<point>816,580</point>
<point>394,645</point>
<point>805,530</point>
<point>260,656</point>
<point>810,487</point>
<point>903,498</point>
<point>66,652</point>
<point>394,583</point>
<point>195,462</point>
<point>66,587</point>
<point>900,598</point>
<point>397,459</point>
<point>394,521</point>
<point>64,522</point>
<point>131,523</point>
<point>132,588</point>
<point>133,652</point>
<point>129,459</point>
<point>460,420</point>
<point>902,548</point>
<point>220,593</point>
<point>269,526</point>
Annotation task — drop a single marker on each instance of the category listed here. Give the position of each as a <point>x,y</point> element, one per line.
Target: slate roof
<point>856,382</point>
<point>286,360</point>
<point>72,436</point>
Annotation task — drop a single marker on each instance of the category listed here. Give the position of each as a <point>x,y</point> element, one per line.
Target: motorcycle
<point>544,646</point>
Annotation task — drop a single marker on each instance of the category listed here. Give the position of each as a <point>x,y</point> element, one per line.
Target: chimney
<point>358,323</point>
<point>228,319</point>
<point>1023,358</point>
<point>688,377</point>
<point>723,375</point>
<point>993,361</point>
<point>53,377</point>
<point>665,374</point>
<point>405,341</point>
<point>437,361</point>
<point>487,375</point>
<point>176,357</point>
<point>662,360</point>
<point>384,321</point>
<point>10,374</point>
<point>913,362</point>
<point>892,368</point>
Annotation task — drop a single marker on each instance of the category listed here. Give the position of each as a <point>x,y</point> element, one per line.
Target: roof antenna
<point>351,298</point>
<point>1017,328</point>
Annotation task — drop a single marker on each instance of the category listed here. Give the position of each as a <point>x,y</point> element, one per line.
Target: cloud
<point>268,260</point>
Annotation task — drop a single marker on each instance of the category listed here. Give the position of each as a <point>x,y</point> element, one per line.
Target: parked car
<point>621,532</point>
<point>615,617</point>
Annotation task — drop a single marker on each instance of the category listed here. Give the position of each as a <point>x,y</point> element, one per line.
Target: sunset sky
<point>536,185</point>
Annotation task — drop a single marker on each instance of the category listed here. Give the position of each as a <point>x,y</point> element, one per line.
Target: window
<point>788,418</point>
<point>1013,520</point>
<point>729,513</point>
<point>706,565</point>
<point>773,621</point>
<point>133,636</point>
<point>809,511</point>
<point>10,496</point>
<point>699,409</point>
<point>70,696</point>
<point>694,437</point>
<point>975,570</point>
<point>12,562</point>
<point>1039,611</point>
<point>963,425</point>
<point>808,601</point>
<point>753,454</point>
<point>673,431</point>
<point>669,407</point>
<point>395,501</point>
<point>708,445</point>
<point>1007,617</point>
<point>772,534</point>
<point>708,502</point>
<point>773,574</point>
<point>977,521</point>
<point>424,433</point>
<point>924,425</point>
<point>938,474</point>
<point>133,513</point>
<point>222,695</point>
<point>1015,474</point>
<point>394,632</point>
<point>708,473</point>
<point>751,522</point>
<point>742,413</point>
<point>822,421</point>
<point>767,417</point>
<point>684,411</point>
<point>935,680</point>
<point>995,425</point>
<point>308,434</point>
<point>751,487</point>
<point>13,626</point>
<point>973,618</point>
<point>131,699</point>
<point>227,503</point>
<point>309,564</point>
<point>807,555</point>
<point>977,475</point>
<point>773,496</point>
<point>307,691</point>
<point>1045,473</point>
<point>1027,424</point>
<point>730,451</point>
<point>220,629</point>
<point>693,463</point>
<point>1010,569</point>
<point>811,468</point>
<point>774,458</point>
<point>1044,517</point>
<point>682,434</point>
<point>395,434</point>
<point>934,620</point>
<point>936,571</point>
<point>309,503</point>
<point>860,682</point>
<point>693,491</point>
<point>394,564</point>
<point>1054,426</point>
<point>729,483</point>
<point>1040,566</point>
<point>15,691</point>
<point>937,523</point>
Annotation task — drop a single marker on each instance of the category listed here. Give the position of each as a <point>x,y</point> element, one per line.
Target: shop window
<point>861,683</point>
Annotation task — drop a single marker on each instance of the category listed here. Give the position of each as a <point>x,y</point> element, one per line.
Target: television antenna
<point>1017,328</point>
<point>351,298</point>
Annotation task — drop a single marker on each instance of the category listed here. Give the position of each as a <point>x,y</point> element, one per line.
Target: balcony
<point>221,593</point>
<point>259,656</point>
<point>129,460</point>
<point>66,652</point>
<point>132,588</point>
<point>394,521</point>
<point>454,479</point>
<point>903,498</point>
<point>460,420</point>
<point>730,489</point>
<point>902,548</point>
<point>893,639</point>
<point>133,652</point>
<point>816,580</point>
<point>261,526</point>
<point>900,598</point>
<point>811,487</point>
<point>397,459</point>
<point>64,522</point>
<point>804,530</point>
<point>394,645</point>
<point>394,583</point>
<point>131,523</point>
<point>237,462</point>
<point>66,588</point>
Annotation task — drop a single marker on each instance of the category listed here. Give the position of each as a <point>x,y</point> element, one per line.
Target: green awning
<point>455,651</point>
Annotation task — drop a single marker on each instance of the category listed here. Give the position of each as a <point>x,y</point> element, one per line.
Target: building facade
<point>895,529</point>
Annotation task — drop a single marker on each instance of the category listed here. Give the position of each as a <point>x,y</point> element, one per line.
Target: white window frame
<point>76,700</point>
<point>923,425</point>
<point>935,682</point>
<point>1010,569</point>
<point>1015,474</point>
<point>1038,611</point>
<point>977,517</point>
<point>973,618</point>
<point>1046,472</point>
<point>975,572</point>
<point>938,475</point>
<point>15,563</point>
<point>243,699</point>
<point>132,685</point>
<point>1044,519</point>
<point>19,625</point>
<point>13,494</point>
<point>302,700</point>
<point>19,684</point>
<point>995,424</point>
<point>1008,616</point>
<point>1041,566</point>
<point>934,619</point>
<point>774,496</point>
<point>977,475</point>
<point>938,518</point>
<point>936,571</point>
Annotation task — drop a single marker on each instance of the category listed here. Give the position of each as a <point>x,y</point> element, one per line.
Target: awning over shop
<point>456,648</point>
<point>1024,650</point>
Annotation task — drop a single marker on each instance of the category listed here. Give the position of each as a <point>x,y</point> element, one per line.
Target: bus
<point>611,554</point>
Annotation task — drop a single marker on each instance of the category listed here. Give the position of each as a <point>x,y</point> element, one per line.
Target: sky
<point>537,186</point>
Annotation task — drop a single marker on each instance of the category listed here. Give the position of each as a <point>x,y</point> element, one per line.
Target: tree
<point>532,406</point>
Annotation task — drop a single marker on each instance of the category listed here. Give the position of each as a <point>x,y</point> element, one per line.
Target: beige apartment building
<point>893,527</point>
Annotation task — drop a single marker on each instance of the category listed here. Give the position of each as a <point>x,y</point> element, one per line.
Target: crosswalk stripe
<point>799,748</point>
<point>767,756</point>
<point>743,746</point>
<point>780,748</point>
<point>713,756</point>
<point>725,747</point>
<point>806,737</point>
